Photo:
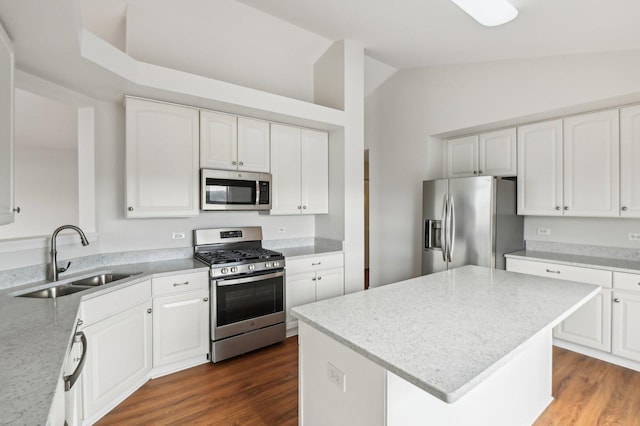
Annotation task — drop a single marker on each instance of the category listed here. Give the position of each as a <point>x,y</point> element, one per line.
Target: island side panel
<point>337,385</point>
<point>516,394</point>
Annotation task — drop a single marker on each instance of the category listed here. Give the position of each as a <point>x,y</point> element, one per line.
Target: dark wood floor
<point>261,388</point>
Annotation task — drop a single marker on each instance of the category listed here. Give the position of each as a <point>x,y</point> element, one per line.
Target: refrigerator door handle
<point>452,228</point>
<point>443,227</point>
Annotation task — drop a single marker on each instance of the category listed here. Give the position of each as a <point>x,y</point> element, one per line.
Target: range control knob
<point>234,269</point>
<point>276,264</point>
<point>224,270</point>
<point>251,267</point>
<point>267,265</point>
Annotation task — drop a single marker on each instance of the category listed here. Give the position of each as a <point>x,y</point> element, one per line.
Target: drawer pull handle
<point>319,278</point>
<point>206,299</point>
<point>184,283</point>
<point>316,264</point>
<point>616,300</point>
<point>149,310</point>
<point>552,271</point>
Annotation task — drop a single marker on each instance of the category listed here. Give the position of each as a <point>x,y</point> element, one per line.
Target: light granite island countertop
<point>447,348</point>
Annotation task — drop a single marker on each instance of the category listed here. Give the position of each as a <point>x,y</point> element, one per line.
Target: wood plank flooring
<point>261,389</point>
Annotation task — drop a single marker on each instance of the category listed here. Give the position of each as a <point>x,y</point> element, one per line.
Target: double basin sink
<point>76,286</point>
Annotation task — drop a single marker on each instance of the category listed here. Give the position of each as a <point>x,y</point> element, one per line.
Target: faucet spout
<point>54,251</point>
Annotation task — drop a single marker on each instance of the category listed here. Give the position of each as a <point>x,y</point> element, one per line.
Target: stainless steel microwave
<point>227,190</point>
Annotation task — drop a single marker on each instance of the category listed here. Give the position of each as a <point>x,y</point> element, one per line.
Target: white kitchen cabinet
<point>311,279</point>
<point>570,167</point>
<point>626,325</point>
<point>590,325</point>
<point>487,154</point>
<point>591,164</point>
<point>180,321</point>
<point>300,170</point>
<point>540,169</point>
<point>161,160</point>
<point>228,142</point>
<point>6,129</point>
<point>118,359</point>
<point>629,160</point>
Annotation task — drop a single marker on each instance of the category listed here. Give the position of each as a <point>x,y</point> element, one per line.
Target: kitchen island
<point>466,346</point>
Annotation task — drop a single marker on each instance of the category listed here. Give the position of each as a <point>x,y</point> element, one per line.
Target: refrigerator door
<point>434,194</point>
<point>472,207</point>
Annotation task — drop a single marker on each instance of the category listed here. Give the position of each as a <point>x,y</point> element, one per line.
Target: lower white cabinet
<point>312,279</point>
<point>608,323</point>
<point>180,328</point>
<point>626,324</point>
<point>118,359</point>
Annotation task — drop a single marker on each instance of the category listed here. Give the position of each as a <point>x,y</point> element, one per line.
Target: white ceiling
<point>414,33</point>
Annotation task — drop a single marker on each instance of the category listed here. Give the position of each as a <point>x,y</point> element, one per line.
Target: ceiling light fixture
<point>489,13</point>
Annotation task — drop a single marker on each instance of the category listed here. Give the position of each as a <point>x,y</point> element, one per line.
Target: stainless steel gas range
<point>247,290</point>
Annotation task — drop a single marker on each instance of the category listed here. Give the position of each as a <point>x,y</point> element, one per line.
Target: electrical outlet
<point>634,236</point>
<point>544,231</point>
<point>178,235</point>
<point>281,229</point>
<point>336,377</point>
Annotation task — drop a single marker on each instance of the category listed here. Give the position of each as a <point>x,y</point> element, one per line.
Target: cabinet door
<point>497,153</point>
<point>590,325</point>
<point>118,358</point>
<point>540,169</point>
<point>315,171</point>
<point>329,283</point>
<point>180,327</point>
<point>591,164</point>
<point>6,128</point>
<point>629,160</point>
<point>301,289</point>
<point>218,141</point>
<point>462,156</point>
<point>626,325</point>
<point>285,170</point>
<point>162,159</point>
<point>253,145</point>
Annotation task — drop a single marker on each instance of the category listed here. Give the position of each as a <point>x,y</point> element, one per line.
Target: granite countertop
<point>35,335</point>
<point>304,247</point>
<point>447,332</point>
<point>618,265</point>
<point>307,251</point>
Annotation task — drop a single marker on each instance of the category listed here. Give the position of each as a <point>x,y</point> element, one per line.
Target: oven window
<point>228,191</point>
<point>244,301</point>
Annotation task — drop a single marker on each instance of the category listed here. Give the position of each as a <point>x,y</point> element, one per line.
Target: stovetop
<point>237,256</point>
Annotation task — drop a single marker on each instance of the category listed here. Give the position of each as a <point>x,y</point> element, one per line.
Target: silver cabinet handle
<point>149,310</point>
<point>624,209</point>
<point>479,172</point>
<point>316,263</point>
<point>552,271</point>
<point>130,209</point>
<point>299,207</point>
<point>566,207</point>
<point>17,209</point>
<point>304,207</point>
<point>616,300</point>
<point>206,299</point>
<point>319,278</point>
<point>313,278</point>
<point>475,173</point>
<point>241,163</point>
<point>178,284</point>
<point>233,163</point>
<point>70,380</point>
<point>557,207</point>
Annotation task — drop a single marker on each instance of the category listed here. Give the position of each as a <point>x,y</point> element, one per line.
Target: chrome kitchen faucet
<point>54,262</point>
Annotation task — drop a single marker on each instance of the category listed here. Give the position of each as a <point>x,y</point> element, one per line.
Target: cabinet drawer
<point>180,283</point>
<point>107,305</point>
<point>326,261</point>
<point>561,272</point>
<point>625,281</point>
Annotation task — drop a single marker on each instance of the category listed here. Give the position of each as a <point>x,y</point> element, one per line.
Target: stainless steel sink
<point>101,279</point>
<point>52,292</point>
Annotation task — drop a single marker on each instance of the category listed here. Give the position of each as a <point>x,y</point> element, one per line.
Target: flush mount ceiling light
<point>489,13</point>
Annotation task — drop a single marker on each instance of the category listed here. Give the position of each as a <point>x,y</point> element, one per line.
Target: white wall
<point>413,105</point>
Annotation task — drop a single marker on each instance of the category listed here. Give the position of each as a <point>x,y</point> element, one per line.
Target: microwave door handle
<point>257,192</point>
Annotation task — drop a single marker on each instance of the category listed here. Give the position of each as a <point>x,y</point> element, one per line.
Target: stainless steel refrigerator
<point>469,221</point>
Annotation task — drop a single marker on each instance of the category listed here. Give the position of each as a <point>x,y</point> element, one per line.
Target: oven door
<point>239,305</point>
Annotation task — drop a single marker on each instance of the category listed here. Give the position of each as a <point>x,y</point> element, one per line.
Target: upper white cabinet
<point>487,154</point>
<point>629,160</point>
<point>6,128</point>
<point>300,170</point>
<point>161,159</point>
<point>570,167</point>
<point>229,142</point>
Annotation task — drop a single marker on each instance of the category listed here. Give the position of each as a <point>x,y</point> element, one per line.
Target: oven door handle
<point>222,283</point>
